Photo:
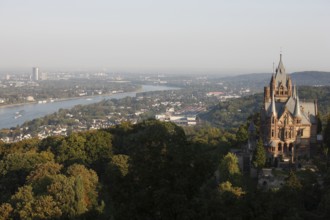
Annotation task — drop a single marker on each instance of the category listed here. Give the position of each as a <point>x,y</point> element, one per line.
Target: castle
<point>288,125</point>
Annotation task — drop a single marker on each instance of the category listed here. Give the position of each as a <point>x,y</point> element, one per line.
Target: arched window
<point>272,133</point>
<point>290,147</point>
<point>285,147</point>
<point>279,146</point>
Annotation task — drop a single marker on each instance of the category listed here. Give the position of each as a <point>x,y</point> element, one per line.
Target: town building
<point>35,73</point>
<point>288,125</point>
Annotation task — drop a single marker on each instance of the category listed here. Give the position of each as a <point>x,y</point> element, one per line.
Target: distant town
<point>192,95</point>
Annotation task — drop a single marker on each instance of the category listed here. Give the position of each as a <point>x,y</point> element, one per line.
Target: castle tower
<point>288,126</point>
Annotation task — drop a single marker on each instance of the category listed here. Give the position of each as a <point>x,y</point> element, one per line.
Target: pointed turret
<point>289,85</point>
<point>280,79</point>
<point>297,112</point>
<point>280,69</point>
<point>272,107</point>
<point>272,82</point>
<point>294,92</point>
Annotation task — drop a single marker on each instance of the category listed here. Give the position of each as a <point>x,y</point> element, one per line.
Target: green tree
<point>5,211</point>
<point>62,190</point>
<point>85,185</point>
<point>43,175</point>
<point>227,187</point>
<point>15,167</point>
<point>229,169</point>
<point>120,162</point>
<point>72,149</point>
<point>23,202</point>
<point>292,182</point>
<point>44,207</point>
<point>242,135</point>
<point>98,148</point>
<point>259,156</point>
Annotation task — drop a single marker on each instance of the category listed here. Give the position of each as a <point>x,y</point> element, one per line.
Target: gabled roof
<point>307,109</point>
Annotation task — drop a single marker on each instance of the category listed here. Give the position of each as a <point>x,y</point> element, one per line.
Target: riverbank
<point>33,110</point>
<point>17,104</point>
<point>62,99</point>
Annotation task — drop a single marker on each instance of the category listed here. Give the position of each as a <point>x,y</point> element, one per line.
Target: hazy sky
<point>236,36</point>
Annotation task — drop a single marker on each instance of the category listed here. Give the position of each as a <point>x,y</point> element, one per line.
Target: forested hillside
<point>234,112</point>
<point>151,170</point>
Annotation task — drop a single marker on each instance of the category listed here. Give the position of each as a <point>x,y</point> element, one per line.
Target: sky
<point>164,36</point>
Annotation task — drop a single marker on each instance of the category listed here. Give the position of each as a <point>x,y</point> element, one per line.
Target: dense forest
<point>150,170</point>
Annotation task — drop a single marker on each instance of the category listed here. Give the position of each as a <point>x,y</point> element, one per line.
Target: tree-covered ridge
<point>256,81</point>
<point>150,170</point>
<point>234,112</point>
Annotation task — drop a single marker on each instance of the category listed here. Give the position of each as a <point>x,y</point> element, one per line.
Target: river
<point>17,115</point>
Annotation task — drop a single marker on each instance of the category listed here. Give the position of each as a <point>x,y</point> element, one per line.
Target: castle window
<point>273,120</point>
<point>285,147</point>
<point>272,133</point>
<point>281,133</point>
<point>279,146</point>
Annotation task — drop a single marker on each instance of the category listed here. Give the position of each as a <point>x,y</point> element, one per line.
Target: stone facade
<point>288,125</point>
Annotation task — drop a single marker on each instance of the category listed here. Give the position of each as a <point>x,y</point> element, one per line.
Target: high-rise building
<point>35,73</point>
<point>288,125</point>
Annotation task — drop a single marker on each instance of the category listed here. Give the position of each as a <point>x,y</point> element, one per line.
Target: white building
<point>35,73</point>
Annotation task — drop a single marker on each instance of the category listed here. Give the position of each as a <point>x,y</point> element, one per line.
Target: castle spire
<point>280,69</point>
<point>272,108</point>
<point>294,92</point>
<point>297,112</point>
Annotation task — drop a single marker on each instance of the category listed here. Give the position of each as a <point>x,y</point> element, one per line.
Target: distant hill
<point>259,80</point>
<point>311,78</point>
